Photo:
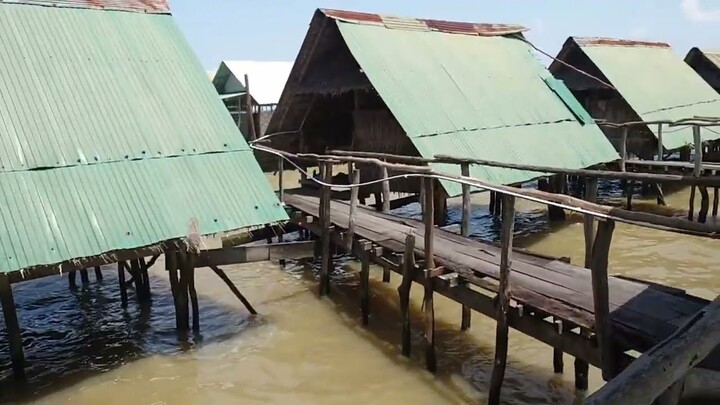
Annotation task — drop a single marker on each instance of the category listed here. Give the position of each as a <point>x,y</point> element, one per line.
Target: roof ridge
<point>607,41</point>
<point>137,6</point>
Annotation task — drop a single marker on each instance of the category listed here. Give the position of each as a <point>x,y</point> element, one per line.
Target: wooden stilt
<point>365,282</point>
<point>182,293</point>
<point>691,208</point>
<point>672,395</point>
<point>660,195</point>
<point>704,204</point>
<point>14,335</point>
<point>122,285</point>
<point>716,200</point>
<point>325,241</point>
<point>408,268</point>
<point>503,301</point>
<point>439,205</point>
<point>429,218</point>
<point>599,268</point>
<point>629,191</point>
<point>385,190</point>
<point>72,279</point>
<point>582,370</point>
<point>491,207</point>
<point>234,289</point>
<point>139,282</point>
<point>386,275</point>
<point>171,265</point>
<point>378,201</point>
<point>466,203</point>
<point>623,148</point>
<point>466,318</point>
<point>353,210</point>
<point>98,273</point>
<point>558,362</point>
<point>147,296</point>
<point>192,257</point>
<point>84,277</point>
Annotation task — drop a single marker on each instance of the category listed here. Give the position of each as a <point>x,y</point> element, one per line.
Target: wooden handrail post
<point>428,217</point>
<point>503,301</point>
<point>623,149</point>
<point>326,222</point>
<point>385,190</point>
<point>467,206</point>
<point>354,192</point>
<point>697,138</point>
<point>408,268</point>
<point>601,298</point>
<point>281,172</point>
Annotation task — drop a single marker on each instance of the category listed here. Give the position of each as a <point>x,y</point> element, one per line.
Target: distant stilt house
<point>367,82</point>
<point>113,146</point>
<point>636,81</point>
<point>706,64</point>
<point>266,80</point>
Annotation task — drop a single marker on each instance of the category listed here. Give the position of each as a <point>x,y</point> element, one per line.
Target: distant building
<point>266,81</point>
<point>706,64</point>
<point>627,81</point>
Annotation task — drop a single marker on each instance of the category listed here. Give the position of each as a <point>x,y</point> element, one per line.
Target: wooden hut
<point>266,81</point>
<point>621,81</point>
<point>706,64</point>
<point>113,146</point>
<point>421,87</point>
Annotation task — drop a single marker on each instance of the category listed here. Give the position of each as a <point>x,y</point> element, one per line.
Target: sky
<point>266,30</point>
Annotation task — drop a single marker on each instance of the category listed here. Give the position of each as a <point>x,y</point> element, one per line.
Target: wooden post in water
<point>355,180</point>
<point>491,206</point>
<point>704,204</point>
<point>72,279</point>
<point>503,301</point>
<point>249,111</point>
<point>408,268</point>
<point>660,153</point>
<point>629,191</point>
<point>84,277</point>
<point>171,265</point>
<point>466,315</point>
<point>601,299</point>
<point>385,190</point>
<point>14,335</point>
<point>190,274</point>
<point>281,173</point>
<point>123,286</point>
<point>623,148</point>
<point>582,368</point>
<point>691,203</point>
<point>98,273</point>
<point>325,222</point>
<point>365,247</point>
<point>183,315</point>
<point>145,279</point>
<point>697,138</point>
<point>429,219</point>
<point>716,200</point>
<point>220,273</point>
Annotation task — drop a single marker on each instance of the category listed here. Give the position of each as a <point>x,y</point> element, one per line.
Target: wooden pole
<point>428,304</point>
<point>98,273</point>
<point>408,268</point>
<point>503,301</point>
<point>623,148</point>
<point>84,277</point>
<point>355,180</point>
<point>660,153</point>
<point>697,138</point>
<point>582,368</point>
<point>491,206</point>
<point>121,282</point>
<point>14,335</point>
<point>192,258</point>
<point>629,191</point>
<point>281,173</point>
<point>716,200</point>
<point>704,204</point>
<point>145,279</point>
<point>325,221</point>
<point>72,279</point>
<point>365,282</point>
<point>601,300</point>
<point>182,296</point>
<point>234,289</point>
<point>558,361</point>
<point>467,206</point>
<point>691,208</point>
<point>385,190</point>
<point>249,111</point>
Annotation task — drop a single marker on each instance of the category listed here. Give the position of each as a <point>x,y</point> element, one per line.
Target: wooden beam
<point>355,180</point>
<point>408,268</point>
<point>255,253</point>
<point>704,204</point>
<point>466,203</point>
<point>326,221</point>
<point>12,326</point>
<point>503,308</point>
<point>234,289</point>
<point>428,304</point>
<point>697,138</point>
<point>659,368</point>
<point>601,303</point>
<point>385,189</point>
<point>365,281</point>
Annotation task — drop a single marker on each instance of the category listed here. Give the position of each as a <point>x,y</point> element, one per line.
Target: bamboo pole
<point>429,219</point>
<point>385,190</point>
<point>601,300</point>
<point>326,223</point>
<point>234,289</point>
<point>408,268</point>
<point>12,326</point>
<point>353,209</point>
<point>503,307</point>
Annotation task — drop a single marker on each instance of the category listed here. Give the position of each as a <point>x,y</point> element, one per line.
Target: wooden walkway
<point>552,299</point>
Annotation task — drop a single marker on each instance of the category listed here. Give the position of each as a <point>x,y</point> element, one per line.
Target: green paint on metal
<point>559,88</point>
<point>658,85</point>
<point>112,138</point>
<point>473,96</point>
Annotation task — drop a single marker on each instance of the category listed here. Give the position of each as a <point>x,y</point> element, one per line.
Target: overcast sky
<point>274,29</point>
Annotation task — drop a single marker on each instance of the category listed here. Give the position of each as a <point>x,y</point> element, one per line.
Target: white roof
<point>267,79</point>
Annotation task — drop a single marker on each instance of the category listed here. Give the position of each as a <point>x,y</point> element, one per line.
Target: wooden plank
<point>385,189</point>
<point>658,369</point>
<point>234,289</point>
<point>255,253</point>
<point>599,266</point>
<point>503,308</point>
<point>12,326</point>
<point>408,268</point>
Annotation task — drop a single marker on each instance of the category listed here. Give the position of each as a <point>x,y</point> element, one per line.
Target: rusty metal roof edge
<point>604,41</point>
<point>444,26</point>
<point>132,6</point>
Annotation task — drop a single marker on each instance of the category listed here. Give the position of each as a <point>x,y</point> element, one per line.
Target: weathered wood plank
<point>603,327</point>
<point>255,253</point>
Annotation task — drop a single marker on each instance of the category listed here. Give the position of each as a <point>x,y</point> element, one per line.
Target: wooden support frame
<point>17,356</point>
<point>325,221</point>
<point>220,273</point>
<point>599,268</point>
<point>365,248</point>
<point>354,191</point>
<point>428,303</point>
<point>408,268</point>
<point>385,189</point>
<point>503,302</point>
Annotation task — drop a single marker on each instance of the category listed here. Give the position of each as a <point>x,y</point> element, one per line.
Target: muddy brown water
<point>82,348</point>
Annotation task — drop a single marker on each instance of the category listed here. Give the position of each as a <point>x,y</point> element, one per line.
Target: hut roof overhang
<point>111,136</point>
<point>655,83</point>
<point>457,88</point>
<point>267,79</point>
<point>707,64</point>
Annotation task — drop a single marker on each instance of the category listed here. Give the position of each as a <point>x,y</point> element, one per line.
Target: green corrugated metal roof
<point>476,96</point>
<point>658,85</point>
<point>111,137</point>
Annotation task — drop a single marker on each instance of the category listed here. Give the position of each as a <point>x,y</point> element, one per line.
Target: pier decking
<point>641,314</point>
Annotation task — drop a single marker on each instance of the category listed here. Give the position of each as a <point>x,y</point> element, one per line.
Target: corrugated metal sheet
<point>658,85</point>
<point>111,137</point>
<point>145,6</point>
<point>475,96</point>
